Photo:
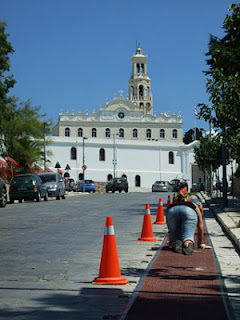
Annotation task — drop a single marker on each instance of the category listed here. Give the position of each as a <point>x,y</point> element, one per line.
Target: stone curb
<point>228,220</point>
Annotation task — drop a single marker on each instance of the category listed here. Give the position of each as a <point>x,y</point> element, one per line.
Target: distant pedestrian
<point>182,217</point>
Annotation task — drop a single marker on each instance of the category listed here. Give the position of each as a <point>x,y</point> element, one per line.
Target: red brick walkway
<point>180,287</point>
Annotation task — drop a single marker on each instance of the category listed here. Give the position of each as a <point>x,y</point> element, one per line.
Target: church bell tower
<point>139,88</point>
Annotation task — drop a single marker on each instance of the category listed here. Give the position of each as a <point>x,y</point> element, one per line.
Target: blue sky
<point>73,54</point>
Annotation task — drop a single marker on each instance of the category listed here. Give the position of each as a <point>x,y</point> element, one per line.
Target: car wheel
<point>46,197</point>
<point>126,190</point>
<point>113,190</point>
<point>58,197</point>
<point>3,201</point>
<point>120,190</point>
<point>63,197</point>
<point>38,197</point>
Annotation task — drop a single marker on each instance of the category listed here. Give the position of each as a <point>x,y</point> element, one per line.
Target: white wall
<point>147,159</point>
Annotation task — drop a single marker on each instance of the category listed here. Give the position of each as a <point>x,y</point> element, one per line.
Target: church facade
<point>126,138</point>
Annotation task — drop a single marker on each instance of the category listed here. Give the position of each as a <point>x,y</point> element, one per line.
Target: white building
<point>124,138</point>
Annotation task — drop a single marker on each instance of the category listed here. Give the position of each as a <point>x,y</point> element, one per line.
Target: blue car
<point>89,186</point>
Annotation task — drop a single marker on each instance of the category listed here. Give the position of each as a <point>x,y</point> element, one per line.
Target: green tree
<point>21,128</point>
<point>208,153</point>
<point>223,80</point>
<point>223,86</point>
<point>6,81</point>
<point>189,136</point>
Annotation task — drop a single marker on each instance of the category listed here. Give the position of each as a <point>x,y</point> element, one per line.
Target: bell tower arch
<point>139,88</point>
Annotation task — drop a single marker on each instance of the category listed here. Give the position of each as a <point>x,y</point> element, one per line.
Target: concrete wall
<point>149,160</point>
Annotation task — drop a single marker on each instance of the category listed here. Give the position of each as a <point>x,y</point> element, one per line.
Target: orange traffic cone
<point>168,202</point>
<point>147,234</point>
<point>173,199</point>
<point>160,214</point>
<point>183,190</point>
<point>109,272</point>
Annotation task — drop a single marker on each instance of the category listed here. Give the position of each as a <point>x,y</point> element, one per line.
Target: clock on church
<point>121,115</point>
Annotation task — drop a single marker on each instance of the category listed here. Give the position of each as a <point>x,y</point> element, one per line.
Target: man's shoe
<point>178,246</point>
<point>189,249</point>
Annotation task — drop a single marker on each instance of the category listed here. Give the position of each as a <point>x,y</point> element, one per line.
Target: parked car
<point>89,186</point>
<point>27,186</point>
<point>178,184</point>
<point>161,186</point>
<point>70,184</point>
<point>3,193</point>
<point>54,184</point>
<point>196,187</point>
<point>117,184</point>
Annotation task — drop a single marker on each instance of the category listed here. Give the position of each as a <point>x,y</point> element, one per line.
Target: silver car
<point>54,183</point>
<point>163,186</point>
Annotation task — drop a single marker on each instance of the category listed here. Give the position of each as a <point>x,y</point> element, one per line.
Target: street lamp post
<point>211,167</point>
<point>114,157</point>
<point>224,164</point>
<point>114,161</point>
<point>83,166</point>
<point>44,144</point>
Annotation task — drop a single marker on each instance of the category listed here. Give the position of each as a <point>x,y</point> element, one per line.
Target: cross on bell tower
<point>139,86</point>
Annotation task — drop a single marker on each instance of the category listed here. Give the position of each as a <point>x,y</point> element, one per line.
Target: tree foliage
<point>209,153</point>
<point>223,80</point>
<point>21,128</point>
<point>189,136</point>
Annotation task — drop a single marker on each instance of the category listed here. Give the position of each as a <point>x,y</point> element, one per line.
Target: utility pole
<point>83,166</point>
<point>224,161</point>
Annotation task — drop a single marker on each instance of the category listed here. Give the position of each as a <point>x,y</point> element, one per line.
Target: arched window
<point>138,68</point>
<point>80,176</point>
<point>102,154</point>
<point>135,133</point>
<point>137,181</point>
<point>94,132</point>
<point>141,92</point>
<point>149,133</point>
<point>162,133</point>
<point>121,133</point>
<point>67,132</point>
<point>171,158</point>
<point>124,176</point>
<point>66,175</point>
<point>132,91</point>
<point>73,153</point>
<point>109,177</point>
<point>80,132</point>
<point>174,133</point>
<point>107,133</point>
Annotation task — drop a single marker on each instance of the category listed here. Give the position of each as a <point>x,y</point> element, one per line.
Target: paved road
<point>50,253</point>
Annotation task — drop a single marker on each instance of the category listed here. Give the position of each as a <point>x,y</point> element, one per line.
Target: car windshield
<point>23,180</point>
<point>48,177</point>
<point>118,180</point>
<point>88,181</point>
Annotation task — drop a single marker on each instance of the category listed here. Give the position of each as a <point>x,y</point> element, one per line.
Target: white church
<point>126,138</point>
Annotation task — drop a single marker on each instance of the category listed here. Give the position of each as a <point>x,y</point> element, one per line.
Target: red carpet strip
<point>180,287</point>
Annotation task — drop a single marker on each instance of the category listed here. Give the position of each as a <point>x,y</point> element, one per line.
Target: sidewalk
<point>194,286</point>
<point>228,218</point>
